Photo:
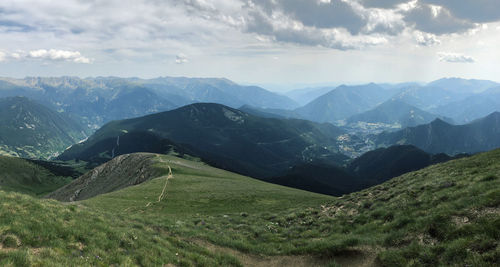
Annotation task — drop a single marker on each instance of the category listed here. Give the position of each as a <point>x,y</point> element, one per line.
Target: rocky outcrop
<point>122,171</point>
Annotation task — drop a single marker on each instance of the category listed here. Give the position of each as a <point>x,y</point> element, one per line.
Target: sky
<point>275,42</point>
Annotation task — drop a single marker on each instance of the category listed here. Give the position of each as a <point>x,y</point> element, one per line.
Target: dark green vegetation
<point>447,214</point>
<point>127,142</point>
<point>441,137</point>
<point>96,101</point>
<point>19,175</point>
<point>30,130</point>
<point>394,112</point>
<point>380,165</point>
<point>371,168</point>
<point>320,177</point>
<point>224,137</point>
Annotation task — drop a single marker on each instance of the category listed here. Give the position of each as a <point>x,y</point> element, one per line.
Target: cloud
<point>181,59</point>
<point>58,55</point>
<point>455,58</point>
<point>476,11</point>
<point>426,39</point>
<point>387,4</point>
<point>436,20</point>
<point>331,24</point>
<point>110,30</point>
<point>2,56</point>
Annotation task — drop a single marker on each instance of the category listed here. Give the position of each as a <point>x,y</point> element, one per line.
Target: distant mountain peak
<point>439,121</point>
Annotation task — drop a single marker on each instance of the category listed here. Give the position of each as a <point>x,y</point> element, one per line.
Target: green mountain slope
<point>447,214</point>
<point>371,168</point>
<point>225,137</point>
<point>20,175</point>
<point>441,137</point>
<point>30,130</point>
<point>382,164</point>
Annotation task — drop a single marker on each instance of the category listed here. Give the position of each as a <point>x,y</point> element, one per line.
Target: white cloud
<point>2,56</point>
<point>426,39</point>
<point>455,58</point>
<point>58,55</point>
<point>181,59</point>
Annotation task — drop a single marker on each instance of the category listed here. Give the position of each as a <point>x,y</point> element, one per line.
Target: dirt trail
<point>169,176</point>
<point>162,194</point>
<point>364,257</point>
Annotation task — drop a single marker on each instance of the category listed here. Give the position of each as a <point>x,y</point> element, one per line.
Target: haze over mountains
<point>359,111</point>
<point>441,137</point>
<point>392,112</point>
<point>100,100</point>
<point>153,152</point>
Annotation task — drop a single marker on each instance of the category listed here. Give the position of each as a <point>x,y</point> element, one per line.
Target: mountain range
<point>396,112</point>
<point>99,100</point>
<point>460,100</point>
<point>225,137</point>
<point>166,189</point>
<point>441,137</point>
<point>31,130</point>
<point>343,102</point>
<point>472,107</point>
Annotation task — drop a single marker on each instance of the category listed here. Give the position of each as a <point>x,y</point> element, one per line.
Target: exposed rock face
<point>122,171</point>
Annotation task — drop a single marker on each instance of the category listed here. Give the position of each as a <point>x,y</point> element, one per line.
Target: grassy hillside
<point>447,214</point>
<point>20,175</point>
<point>121,228</point>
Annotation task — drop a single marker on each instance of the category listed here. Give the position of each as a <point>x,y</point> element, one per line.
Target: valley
<point>387,183</point>
<point>207,209</point>
<point>193,133</point>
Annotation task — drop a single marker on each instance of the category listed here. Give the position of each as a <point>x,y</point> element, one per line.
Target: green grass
<point>19,175</point>
<point>48,233</point>
<point>446,214</point>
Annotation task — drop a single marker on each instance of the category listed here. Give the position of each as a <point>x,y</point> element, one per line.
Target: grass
<point>19,175</point>
<point>446,214</point>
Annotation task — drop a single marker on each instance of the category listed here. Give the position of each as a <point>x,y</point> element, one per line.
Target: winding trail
<point>162,195</point>
<point>169,176</point>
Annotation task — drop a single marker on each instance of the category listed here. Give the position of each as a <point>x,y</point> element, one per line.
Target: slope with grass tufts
<point>20,175</point>
<point>446,214</point>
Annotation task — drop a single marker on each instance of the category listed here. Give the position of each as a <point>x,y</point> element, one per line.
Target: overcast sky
<point>257,41</point>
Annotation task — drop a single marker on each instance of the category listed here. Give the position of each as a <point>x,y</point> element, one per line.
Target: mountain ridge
<point>32,130</point>
<point>218,133</point>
